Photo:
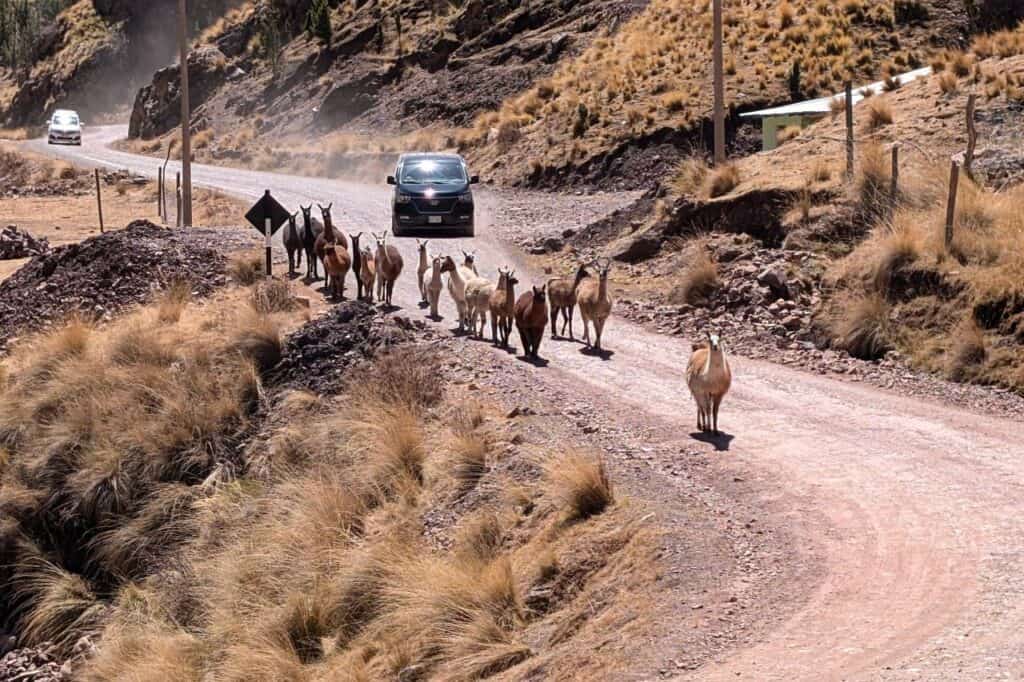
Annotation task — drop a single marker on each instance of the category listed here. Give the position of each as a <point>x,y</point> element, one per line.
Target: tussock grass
<point>723,180</point>
<point>698,280</point>
<point>272,296</point>
<point>247,268</point>
<point>580,483</point>
<point>879,113</point>
<point>872,183</point>
<point>862,328</point>
<point>968,351</point>
<point>690,176</point>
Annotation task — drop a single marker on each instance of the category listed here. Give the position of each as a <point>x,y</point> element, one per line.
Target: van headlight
<point>403,198</point>
<point>466,198</point>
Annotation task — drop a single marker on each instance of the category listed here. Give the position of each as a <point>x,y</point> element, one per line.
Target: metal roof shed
<point>805,113</point>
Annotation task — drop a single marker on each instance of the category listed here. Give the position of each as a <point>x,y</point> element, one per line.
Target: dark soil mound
<point>104,274</point>
<point>317,355</point>
<point>15,243</point>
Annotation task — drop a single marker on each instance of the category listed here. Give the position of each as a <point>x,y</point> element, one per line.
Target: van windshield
<point>433,172</point>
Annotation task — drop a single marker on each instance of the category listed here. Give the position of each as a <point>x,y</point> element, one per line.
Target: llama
<point>311,231</point>
<point>709,378</point>
<point>502,305</point>
<point>421,269</point>
<point>562,295</point>
<point>531,314</point>
<point>470,262</point>
<point>595,303</point>
<point>457,289</point>
<point>434,286</point>
<point>337,263</point>
<point>389,267</point>
<point>367,274</point>
<point>357,263</point>
<point>292,239</point>
<point>478,301</point>
<point>328,236</point>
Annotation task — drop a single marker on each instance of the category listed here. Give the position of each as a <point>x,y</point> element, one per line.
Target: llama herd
<point>377,267</point>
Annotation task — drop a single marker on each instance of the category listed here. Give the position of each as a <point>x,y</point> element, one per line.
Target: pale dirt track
<point>913,507</point>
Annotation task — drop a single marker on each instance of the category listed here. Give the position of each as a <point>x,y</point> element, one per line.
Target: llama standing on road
<point>367,274</point>
<point>457,278</point>
<point>434,286</point>
<point>421,269</point>
<point>311,231</point>
<point>292,239</point>
<point>357,263</point>
<point>709,378</point>
<point>595,303</point>
<point>327,237</point>
<point>337,263</point>
<point>562,294</point>
<point>531,318</point>
<point>502,304</point>
<point>389,267</point>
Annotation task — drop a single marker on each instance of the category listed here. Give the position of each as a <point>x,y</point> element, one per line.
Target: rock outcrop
<point>158,105</point>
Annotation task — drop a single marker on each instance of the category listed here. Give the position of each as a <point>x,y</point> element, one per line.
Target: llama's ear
<point>330,206</point>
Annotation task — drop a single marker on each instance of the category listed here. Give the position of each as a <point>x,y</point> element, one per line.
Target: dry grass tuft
<point>698,281</point>
<point>872,183</point>
<point>968,351</point>
<point>247,268</point>
<point>723,180</point>
<point>879,113</point>
<point>580,485</point>
<point>690,176</point>
<point>862,328</point>
<point>272,296</point>
<point>949,84</point>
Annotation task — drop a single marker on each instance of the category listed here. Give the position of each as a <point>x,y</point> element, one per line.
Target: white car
<point>65,127</point>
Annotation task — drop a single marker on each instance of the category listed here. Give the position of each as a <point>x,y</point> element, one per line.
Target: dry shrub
<point>723,180</point>
<point>879,113</point>
<point>821,171</point>
<point>872,183</point>
<point>580,485</point>
<point>899,246</point>
<point>406,376</point>
<point>174,300</point>
<point>247,268</point>
<point>690,176</point>
<point>968,351</point>
<point>862,328</point>
<point>272,296</point>
<point>949,84</point>
<point>63,171</point>
<point>698,281</point>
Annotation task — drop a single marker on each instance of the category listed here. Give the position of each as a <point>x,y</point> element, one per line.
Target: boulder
<point>635,247</point>
<point>775,279</point>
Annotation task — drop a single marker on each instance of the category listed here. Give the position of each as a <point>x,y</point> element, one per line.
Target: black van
<point>432,192</point>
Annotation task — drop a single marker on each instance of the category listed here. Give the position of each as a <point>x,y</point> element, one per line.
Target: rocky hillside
<point>383,66</point>
<point>93,57</point>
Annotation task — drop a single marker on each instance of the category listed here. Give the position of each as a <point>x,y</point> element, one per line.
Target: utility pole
<point>186,118</point>
<point>719,113</point>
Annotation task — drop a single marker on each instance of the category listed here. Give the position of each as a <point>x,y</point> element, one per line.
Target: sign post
<point>267,216</point>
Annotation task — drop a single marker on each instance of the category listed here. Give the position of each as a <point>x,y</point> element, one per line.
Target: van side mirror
<point>474,180</point>
<point>391,180</point>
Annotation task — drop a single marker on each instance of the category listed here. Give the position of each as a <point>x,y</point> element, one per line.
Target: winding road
<point>913,508</point>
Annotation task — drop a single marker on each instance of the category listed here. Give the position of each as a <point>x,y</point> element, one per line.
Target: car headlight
<point>466,198</point>
<point>403,198</point>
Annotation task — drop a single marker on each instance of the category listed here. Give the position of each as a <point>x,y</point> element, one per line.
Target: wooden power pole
<point>719,113</point>
<point>186,119</point>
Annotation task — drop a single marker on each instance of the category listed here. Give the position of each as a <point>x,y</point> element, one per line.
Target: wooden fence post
<point>894,183</point>
<point>160,192</point>
<point>177,194</point>
<point>954,183</point>
<point>849,130</point>
<point>99,199</point>
<point>719,84</point>
<point>972,137</point>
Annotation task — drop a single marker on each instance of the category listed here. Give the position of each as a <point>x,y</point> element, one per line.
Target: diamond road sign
<point>267,207</point>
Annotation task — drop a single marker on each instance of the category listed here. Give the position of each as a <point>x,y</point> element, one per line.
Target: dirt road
<point>913,509</point>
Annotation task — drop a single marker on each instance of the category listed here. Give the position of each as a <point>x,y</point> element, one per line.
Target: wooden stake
<point>186,118</point>
<point>177,198</point>
<point>268,235</point>
<point>719,85</point>
<point>894,184</point>
<point>99,199</point>
<point>954,182</point>
<point>849,130</point>
<point>160,192</point>
<point>972,137</point>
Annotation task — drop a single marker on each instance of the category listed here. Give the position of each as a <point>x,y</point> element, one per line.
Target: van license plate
<point>435,220</point>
